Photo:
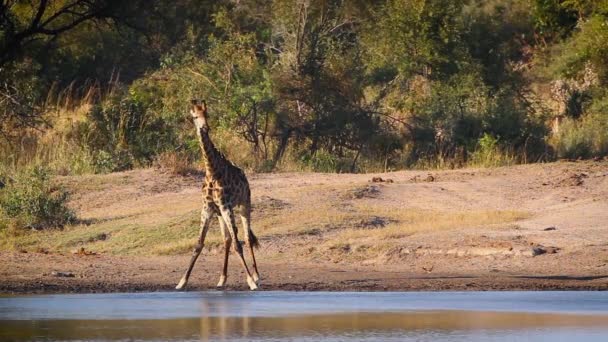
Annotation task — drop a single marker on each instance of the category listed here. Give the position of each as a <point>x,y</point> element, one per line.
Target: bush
<point>489,154</point>
<point>324,161</point>
<point>121,133</point>
<point>29,200</point>
<point>584,138</point>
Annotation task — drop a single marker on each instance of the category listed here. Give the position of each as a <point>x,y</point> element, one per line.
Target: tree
<point>319,79</point>
<point>553,19</point>
<point>41,22</point>
<point>26,28</point>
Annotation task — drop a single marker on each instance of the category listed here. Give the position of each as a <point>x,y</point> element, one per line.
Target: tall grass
<point>490,154</point>
<point>584,138</point>
<point>94,129</point>
<point>53,151</point>
<point>54,144</point>
<point>88,130</point>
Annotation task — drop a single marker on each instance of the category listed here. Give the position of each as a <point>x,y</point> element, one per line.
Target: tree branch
<point>39,14</point>
<point>78,11</point>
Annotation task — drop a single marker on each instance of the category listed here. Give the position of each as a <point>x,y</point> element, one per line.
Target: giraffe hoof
<point>252,285</point>
<point>256,278</point>
<point>181,285</point>
<point>222,282</point>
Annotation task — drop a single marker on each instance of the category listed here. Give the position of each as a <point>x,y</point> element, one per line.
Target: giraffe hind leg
<point>252,242</point>
<point>228,216</point>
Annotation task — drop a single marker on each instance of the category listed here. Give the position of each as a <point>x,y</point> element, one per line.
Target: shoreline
<point>24,274</point>
<point>501,284</point>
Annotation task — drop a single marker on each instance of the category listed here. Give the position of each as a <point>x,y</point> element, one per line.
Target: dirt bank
<point>33,273</point>
<point>541,226</point>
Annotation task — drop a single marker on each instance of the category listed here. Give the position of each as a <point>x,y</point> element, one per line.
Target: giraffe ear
<point>204,106</point>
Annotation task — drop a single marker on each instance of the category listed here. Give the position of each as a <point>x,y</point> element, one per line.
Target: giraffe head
<point>199,114</point>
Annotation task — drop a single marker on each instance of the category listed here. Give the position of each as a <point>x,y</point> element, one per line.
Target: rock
<point>550,228</point>
<point>380,180</point>
<point>551,250</point>
<point>538,251</point>
<point>575,179</point>
<point>62,274</point>
<point>82,251</point>
<point>267,203</point>
<point>98,237</point>
<point>429,178</point>
<point>370,191</point>
<point>373,222</point>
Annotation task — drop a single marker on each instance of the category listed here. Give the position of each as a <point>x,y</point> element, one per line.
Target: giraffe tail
<point>253,240</point>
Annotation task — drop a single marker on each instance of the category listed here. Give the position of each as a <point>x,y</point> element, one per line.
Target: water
<point>307,316</point>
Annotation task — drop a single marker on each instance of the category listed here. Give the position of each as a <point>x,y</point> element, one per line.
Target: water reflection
<point>326,326</point>
<point>306,316</point>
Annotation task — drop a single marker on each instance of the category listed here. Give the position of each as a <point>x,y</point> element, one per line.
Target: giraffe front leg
<point>228,216</point>
<point>206,214</point>
<point>227,243</point>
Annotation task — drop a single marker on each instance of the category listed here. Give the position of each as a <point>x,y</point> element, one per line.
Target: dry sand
<point>538,226</point>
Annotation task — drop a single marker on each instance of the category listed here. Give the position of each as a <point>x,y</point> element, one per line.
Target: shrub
<point>29,199</point>
<point>116,160</point>
<point>121,133</point>
<point>584,138</point>
<point>489,154</point>
<point>321,161</point>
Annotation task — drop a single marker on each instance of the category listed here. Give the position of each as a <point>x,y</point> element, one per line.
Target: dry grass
<point>151,213</point>
<point>169,232</point>
<point>121,237</point>
<point>52,147</point>
<point>403,223</point>
<point>305,221</point>
<point>175,163</point>
<point>362,232</point>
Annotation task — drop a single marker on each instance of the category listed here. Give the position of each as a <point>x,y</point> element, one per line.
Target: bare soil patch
<point>540,226</point>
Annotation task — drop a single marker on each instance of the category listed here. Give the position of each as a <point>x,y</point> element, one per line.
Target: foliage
<point>553,19</point>
<point>30,200</point>
<point>419,37</point>
<point>588,46</point>
<point>121,133</point>
<point>19,95</point>
<point>489,154</point>
<point>585,138</point>
<point>336,86</point>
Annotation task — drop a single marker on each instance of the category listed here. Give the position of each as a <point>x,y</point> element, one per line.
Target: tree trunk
<point>282,146</point>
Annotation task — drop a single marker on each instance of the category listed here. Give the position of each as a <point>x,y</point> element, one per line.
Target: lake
<point>306,316</point>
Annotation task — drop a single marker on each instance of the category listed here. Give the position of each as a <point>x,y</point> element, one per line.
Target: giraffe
<point>226,193</point>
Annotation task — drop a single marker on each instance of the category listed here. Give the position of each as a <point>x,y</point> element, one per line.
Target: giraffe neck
<point>211,156</point>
